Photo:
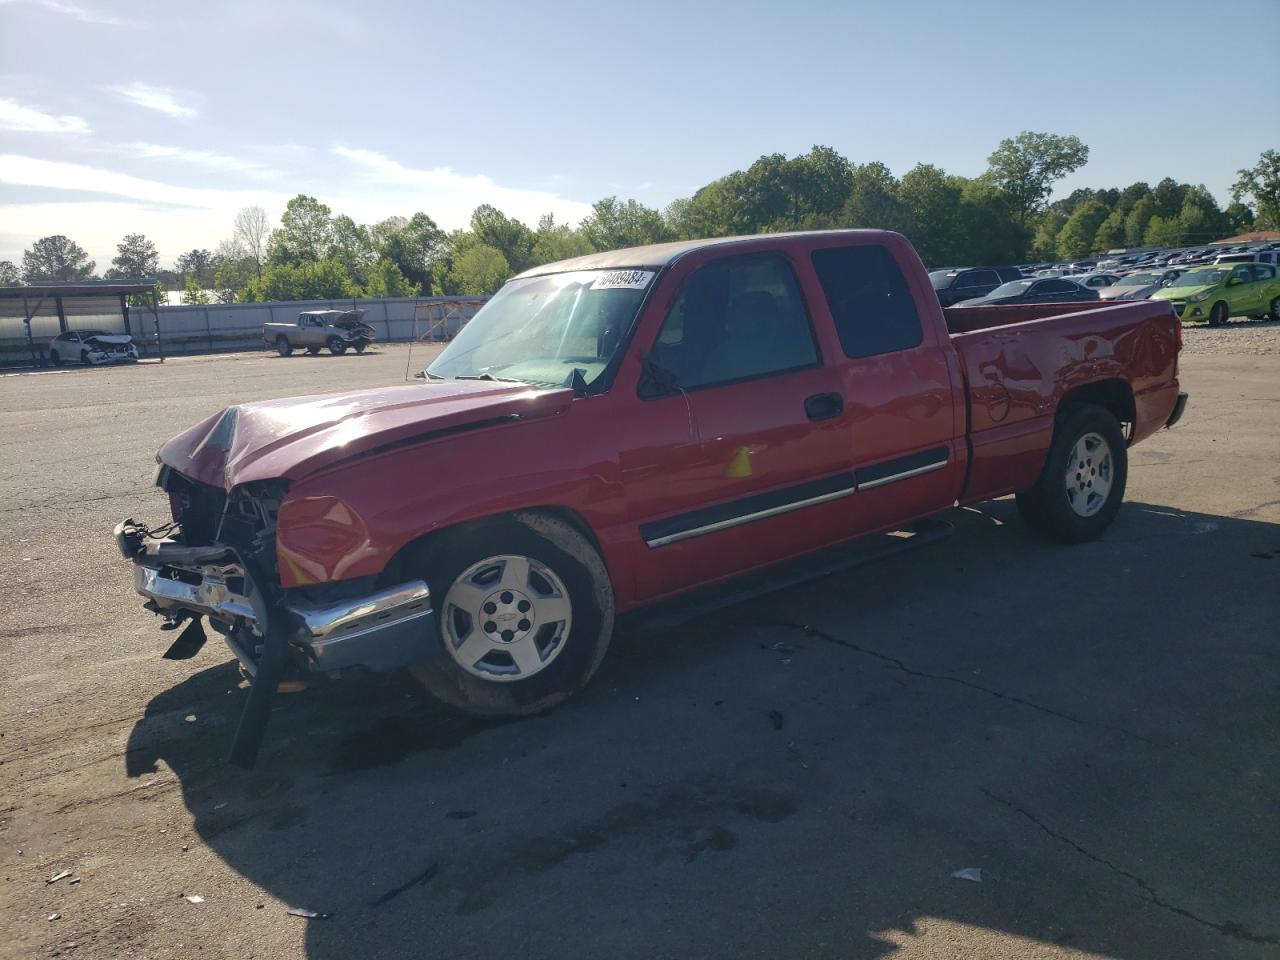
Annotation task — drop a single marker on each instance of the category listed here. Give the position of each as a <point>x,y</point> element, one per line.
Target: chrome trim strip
<point>749,517</point>
<point>927,468</point>
<point>340,621</point>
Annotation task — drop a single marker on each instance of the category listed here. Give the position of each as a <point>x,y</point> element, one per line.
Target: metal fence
<point>221,327</point>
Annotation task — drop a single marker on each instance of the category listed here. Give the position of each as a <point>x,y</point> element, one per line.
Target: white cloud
<point>150,97</point>
<point>14,116</point>
<point>203,158</point>
<point>77,12</point>
<point>449,196</point>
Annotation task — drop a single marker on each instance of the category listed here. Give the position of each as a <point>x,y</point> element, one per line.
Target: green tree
<point>613,223</point>
<point>416,246</point>
<point>557,241</point>
<point>135,257</point>
<point>873,200</point>
<point>480,269</point>
<point>305,234</point>
<point>1168,196</point>
<point>56,258</point>
<point>352,246</point>
<point>932,203</point>
<point>508,236</point>
<point>986,224</point>
<point>1130,195</point>
<point>193,292</point>
<point>1240,217</point>
<point>1163,232</point>
<point>10,275</point>
<point>1201,220</point>
<point>1111,232</point>
<point>1028,165</point>
<point>1260,185</point>
<point>1045,244</point>
<point>197,263</point>
<point>323,280</point>
<point>386,280</point>
<point>1135,224</point>
<point>1078,233</point>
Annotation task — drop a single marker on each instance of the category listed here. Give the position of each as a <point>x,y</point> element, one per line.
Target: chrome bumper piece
<point>381,631</point>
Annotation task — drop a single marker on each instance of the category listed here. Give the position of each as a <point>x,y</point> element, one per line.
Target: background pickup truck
<point>623,428</point>
<point>335,329</point>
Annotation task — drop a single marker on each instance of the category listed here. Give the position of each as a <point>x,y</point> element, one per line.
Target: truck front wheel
<point>337,346</point>
<point>283,346</point>
<point>1083,481</point>
<point>523,614</point>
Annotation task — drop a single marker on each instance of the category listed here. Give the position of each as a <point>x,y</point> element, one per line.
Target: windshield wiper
<point>490,377</point>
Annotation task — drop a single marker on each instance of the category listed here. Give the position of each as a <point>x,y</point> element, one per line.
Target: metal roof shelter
<point>41,302</point>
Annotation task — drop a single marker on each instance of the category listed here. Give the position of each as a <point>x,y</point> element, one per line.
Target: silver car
<point>1139,286</point>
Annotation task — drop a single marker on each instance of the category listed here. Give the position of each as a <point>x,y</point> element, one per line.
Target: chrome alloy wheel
<point>506,618</point>
<point>1089,475</point>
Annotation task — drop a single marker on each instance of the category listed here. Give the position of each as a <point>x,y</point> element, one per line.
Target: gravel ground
<point>1094,728</point>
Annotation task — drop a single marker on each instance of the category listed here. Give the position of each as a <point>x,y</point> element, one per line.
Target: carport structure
<point>72,305</point>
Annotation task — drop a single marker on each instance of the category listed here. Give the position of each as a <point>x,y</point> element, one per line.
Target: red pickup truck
<point>614,430</point>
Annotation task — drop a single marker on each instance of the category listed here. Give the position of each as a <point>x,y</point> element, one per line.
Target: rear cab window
<point>871,304</point>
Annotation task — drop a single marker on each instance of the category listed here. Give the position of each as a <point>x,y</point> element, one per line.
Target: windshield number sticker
<point>622,280</point>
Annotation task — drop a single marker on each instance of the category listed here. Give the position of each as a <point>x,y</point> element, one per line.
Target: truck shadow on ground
<point>802,774</point>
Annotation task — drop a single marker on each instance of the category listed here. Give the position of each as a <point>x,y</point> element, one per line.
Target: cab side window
<point>1262,271</point>
<point>870,302</point>
<point>735,319</point>
<point>1242,274</point>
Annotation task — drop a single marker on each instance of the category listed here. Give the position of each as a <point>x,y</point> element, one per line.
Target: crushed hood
<point>295,437</point>
<point>109,338</point>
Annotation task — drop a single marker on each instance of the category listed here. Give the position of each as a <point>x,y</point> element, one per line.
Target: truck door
<point>764,464</point>
<point>904,419</point>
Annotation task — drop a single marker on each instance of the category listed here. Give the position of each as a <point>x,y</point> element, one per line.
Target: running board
<point>869,550</point>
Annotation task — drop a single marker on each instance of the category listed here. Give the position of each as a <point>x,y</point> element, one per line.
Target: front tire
<point>55,358</point>
<point>84,358</point>
<point>1218,315</point>
<point>360,345</point>
<point>1084,477</point>
<point>523,614</point>
<point>283,346</point>
<point>336,346</point>
<point>1274,312</point>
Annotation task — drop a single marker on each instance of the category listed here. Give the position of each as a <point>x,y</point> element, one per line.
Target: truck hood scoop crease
<point>295,437</point>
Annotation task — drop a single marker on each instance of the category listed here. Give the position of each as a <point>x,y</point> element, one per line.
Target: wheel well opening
<point>1114,395</point>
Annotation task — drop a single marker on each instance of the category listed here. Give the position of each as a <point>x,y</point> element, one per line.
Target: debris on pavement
<point>969,873</point>
<point>308,914</point>
<point>194,898</point>
<point>73,881</point>
<point>54,916</point>
<point>777,718</point>
<point>418,881</point>
<point>57,876</point>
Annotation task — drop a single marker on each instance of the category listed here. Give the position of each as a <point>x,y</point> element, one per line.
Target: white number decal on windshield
<point>622,280</point>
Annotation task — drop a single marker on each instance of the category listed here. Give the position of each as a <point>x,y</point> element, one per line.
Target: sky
<point>164,118</point>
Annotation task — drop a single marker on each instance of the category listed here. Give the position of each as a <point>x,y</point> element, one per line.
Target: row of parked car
<point>1239,281</point>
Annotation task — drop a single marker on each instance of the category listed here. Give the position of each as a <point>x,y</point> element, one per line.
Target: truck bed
<point>1019,362</point>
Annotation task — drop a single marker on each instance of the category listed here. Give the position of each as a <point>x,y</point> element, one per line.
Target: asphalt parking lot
<point>1095,728</point>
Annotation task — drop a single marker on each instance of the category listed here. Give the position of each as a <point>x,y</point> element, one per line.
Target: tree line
<point>1003,216</point>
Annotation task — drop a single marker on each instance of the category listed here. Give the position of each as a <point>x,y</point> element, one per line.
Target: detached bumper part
<point>1178,409</point>
<point>383,631</point>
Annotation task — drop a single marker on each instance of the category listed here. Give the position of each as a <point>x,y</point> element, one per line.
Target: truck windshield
<point>540,329</point>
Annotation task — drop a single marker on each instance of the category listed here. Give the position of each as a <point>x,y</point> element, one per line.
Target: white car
<point>91,347</point>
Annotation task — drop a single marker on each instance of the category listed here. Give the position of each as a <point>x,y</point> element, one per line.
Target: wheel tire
<point>1274,312</point>
<point>568,660</point>
<point>314,351</point>
<point>336,346</point>
<point>360,345</point>
<point>1048,507</point>
<point>283,346</point>
<point>1218,315</point>
<point>56,358</point>
<point>84,358</point>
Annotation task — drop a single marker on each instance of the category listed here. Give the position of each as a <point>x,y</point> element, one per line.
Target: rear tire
<point>55,358</point>
<point>551,604</point>
<point>360,345</point>
<point>1274,312</point>
<point>336,346</point>
<point>283,346</point>
<point>84,358</point>
<point>314,351</point>
<point>1084,476</point>
<point>1218,315</point>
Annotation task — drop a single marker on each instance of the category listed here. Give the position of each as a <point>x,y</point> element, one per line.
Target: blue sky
<point>165,118</point>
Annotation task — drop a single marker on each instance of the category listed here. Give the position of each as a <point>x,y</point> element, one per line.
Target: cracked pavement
<point>798,775</point>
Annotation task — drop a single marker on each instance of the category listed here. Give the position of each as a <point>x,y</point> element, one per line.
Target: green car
<point>1229,290</point>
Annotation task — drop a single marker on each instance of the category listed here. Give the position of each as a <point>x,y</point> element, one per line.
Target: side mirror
<point>420,375</point>
<point>1234,282</point>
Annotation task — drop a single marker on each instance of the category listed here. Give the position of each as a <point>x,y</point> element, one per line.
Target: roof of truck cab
<point>665,254</point>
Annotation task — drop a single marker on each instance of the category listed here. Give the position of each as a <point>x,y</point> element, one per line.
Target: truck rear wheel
<point>313,350</point>
<point>360,345</point>
<point>523,614</point>
<point>283,346</point>
<point>337,346</point>
<point>1084,476</point>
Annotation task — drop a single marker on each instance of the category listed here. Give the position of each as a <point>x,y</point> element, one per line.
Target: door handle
<point>824,406</point>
